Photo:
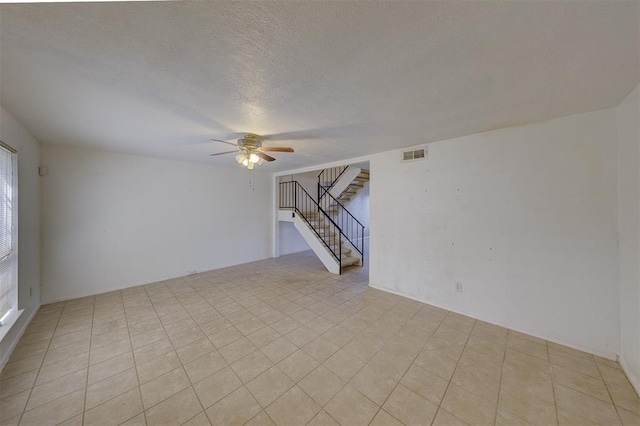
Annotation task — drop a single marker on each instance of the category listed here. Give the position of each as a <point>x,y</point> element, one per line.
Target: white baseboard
<point>19,335</point>
<point>635,381</point>
<point>610,356</point>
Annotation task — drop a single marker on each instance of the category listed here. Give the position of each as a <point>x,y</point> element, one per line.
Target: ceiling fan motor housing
<point>250,142</point>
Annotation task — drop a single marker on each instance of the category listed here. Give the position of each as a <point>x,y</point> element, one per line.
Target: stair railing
<point>351,227</point>
<point>328,178</point>
<point>293,196</point>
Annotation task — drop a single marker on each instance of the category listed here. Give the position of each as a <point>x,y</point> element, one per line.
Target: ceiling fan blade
<point>265,156</point>
<point>222,153</point>
<point>276,149</point>
<point>221,141</point>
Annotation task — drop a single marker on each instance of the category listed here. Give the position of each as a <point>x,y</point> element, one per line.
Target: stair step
<point>350,260</point>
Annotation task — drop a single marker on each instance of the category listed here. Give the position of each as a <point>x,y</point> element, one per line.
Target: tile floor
<point>284,342</point>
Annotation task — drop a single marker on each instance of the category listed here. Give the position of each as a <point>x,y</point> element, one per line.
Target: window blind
<point>8,231</point>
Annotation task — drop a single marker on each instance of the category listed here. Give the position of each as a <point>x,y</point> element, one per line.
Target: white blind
<point>8,231</point>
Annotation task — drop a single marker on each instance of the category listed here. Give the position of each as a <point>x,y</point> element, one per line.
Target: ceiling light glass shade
<point>254,158</point>
<point>250,166</point>
<point>245,162</point>
<point>239,158</point>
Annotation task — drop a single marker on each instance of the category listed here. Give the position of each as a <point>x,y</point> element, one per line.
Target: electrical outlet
<point>459,287</point>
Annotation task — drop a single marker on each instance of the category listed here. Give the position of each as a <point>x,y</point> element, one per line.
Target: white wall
<point>524,218</point>
<point>12,133</point>
<point>114,220</point>
<point>358,206</point>
<point>289,239</point>
<point>628,113</point>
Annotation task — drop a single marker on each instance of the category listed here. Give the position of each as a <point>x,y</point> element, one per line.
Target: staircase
<point>345,187</point>
<point>336,237</point>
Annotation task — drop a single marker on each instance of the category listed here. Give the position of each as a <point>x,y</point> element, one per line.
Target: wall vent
<point>415,154</point>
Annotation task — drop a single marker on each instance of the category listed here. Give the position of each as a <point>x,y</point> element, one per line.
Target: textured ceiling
<point>351,78</point>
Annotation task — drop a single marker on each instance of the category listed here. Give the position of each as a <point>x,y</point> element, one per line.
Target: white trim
<point>609,356</point>
<point>13,345</point>
<point>8,320</point>
<point>635,381</point>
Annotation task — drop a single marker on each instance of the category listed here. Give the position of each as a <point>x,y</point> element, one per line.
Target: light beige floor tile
<point>116,410</point>
<point>175,410</point>
<point>268,386</point>
<point>152,350</point>
<point>425,384</point>
<point>261,419</point>
<point>321,384</point>
<point>65,352</point>
<point>580,382</point>
<point>297,365</point>
<point>56,411</point>
<point>237,350</point>
<point>111,387</point>
<point>339,336</point>
<point>350,407</point>
<point>161,388</point>
<point>472,379</point>
<point>106,352</point>
<point>444,418</point>
<point>586,406</point>
<point>251,366</point>
<point>204,366</point>
<point>217,386</point>
<point>13,405</point>
<point>344,365</point>
<point>527,407</point>
<point>440,365</point>
<point>138,420</point>
<point>585,365</point>
<point>322,419</point>
<point>279,349</point>
<point>567,418</point>
<point>629,418</point>
<point>54,389</point>
<point>195,350</point>
<point>110,367</point>
<point>373,383</point>
<point>614,376</point>
<point>199,420</point>
<point>225,336</point>
<point>409,407</point>
<point>157,366</point>
<point>263,337</point>
<point>235,409</point>
<point>17,383</point>
<point>385,419</point>
<point>467,406</point>
<point>53,371</point>
<point>320,349</point>
<point>506,418</point>
<point>625,397</point>
<point>294,407</point>
<point>12,369</point>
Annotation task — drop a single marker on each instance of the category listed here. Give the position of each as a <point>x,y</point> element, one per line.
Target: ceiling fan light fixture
<point>253,158</point>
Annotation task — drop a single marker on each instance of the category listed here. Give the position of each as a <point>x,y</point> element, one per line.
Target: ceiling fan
<point>250,150</point>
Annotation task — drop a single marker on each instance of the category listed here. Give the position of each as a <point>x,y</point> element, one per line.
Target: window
<point>8,239</point>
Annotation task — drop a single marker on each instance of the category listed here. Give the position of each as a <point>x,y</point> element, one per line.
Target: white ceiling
<point>356,78</point>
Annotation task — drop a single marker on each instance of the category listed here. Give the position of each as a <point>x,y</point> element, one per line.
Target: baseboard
<point>610,356</point>
<point>635,381</point>
<point>19,335</point>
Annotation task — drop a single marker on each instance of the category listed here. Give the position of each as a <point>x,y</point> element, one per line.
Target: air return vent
<point>416,154</point>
